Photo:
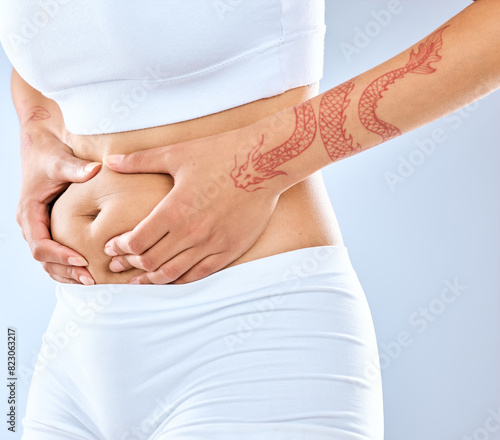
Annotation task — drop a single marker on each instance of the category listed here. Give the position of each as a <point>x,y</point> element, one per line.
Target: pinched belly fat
<point>88,214</point>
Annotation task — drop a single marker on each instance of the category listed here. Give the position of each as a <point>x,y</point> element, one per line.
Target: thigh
<point>56,409</point>
<point>293,368</point>
<point>242,354</point>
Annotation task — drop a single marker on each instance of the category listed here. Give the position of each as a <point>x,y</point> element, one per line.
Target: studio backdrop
<point>419,216</point>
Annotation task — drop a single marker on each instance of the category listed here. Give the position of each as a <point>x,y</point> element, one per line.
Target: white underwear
<point>279,348</point>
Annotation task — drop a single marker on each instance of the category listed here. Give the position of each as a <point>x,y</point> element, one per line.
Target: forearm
<point>48,167</point>
<point>35,110</point>
<point>452,67</point>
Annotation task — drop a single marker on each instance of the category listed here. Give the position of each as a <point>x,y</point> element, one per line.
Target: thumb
<point>144,161</point>
<point>72,169</point>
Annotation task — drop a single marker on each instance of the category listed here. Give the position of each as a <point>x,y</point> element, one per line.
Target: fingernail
<point>86,280</point>
<point>136,281</point>
<point>108,250</point>
<point>114,159</point>
<point>91,166</point>
<point>77,261</point>
<point>115,266</point>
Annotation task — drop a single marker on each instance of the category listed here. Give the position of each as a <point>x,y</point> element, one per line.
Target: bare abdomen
<point>88,214</point>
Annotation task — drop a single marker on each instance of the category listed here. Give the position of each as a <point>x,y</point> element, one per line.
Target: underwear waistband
<point>279,273</point>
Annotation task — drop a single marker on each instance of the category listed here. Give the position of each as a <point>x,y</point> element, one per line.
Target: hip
<point>278,345</point>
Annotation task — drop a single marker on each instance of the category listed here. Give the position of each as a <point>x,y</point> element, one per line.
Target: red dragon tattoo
<point>420,63</point>
<point>331,122</point>
<point>332,117</point>
<point>26,116</point>
<point>259,167</point>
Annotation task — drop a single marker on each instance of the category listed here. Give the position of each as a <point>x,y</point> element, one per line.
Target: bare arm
<point>34,109</point>
<point>447,70</point>
<point>450,68</point>
<point>48,168</point>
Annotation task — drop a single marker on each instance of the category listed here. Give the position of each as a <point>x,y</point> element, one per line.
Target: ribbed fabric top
<point>121,65</point>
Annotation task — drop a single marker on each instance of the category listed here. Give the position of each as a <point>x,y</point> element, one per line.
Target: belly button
<point>94,215</point>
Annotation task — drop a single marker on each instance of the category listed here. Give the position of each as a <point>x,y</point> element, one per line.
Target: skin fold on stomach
<point>88,214</point>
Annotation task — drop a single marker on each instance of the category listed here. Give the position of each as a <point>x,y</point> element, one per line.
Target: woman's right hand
<point>49,167</point>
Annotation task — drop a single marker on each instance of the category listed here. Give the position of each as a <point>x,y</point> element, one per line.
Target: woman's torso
<point>88,214</point>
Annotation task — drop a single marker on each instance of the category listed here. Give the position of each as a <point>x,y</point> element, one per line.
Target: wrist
<point>253,145</point>
<point>281,150</point>
<point>40,129</point>
<point>40,117</point>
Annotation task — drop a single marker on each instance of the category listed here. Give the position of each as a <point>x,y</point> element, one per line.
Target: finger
<point>172,269</point>
<point>71,169</point>
<point>153,258</point>
<point>120,264</point>
<point>63,280</point>
<point>153,160</point>
<point>148,232</point>
<point>78,274</point>
<point>49,251</point>
<point>34,223</point>
<point>204,268</point>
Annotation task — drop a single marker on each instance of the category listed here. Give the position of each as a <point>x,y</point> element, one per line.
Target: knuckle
<point>170,272</point>
<point>76,167</point>
<point>205,269</point>
<point>197,227</point>
<point>54,170</point>
<point>37,253</point>
<point>134,246</point>
<point>137,158</point>
<point>193,228</point>
<point>21,211</point>
<point>147,263</point>
<point>19,214</point>
<point>69,272</point>
<point>60,251</point>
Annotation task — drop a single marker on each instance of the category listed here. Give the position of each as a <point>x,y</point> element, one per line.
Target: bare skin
<point>88,214</point>
<point>184,239</point>
<point>453,66</point>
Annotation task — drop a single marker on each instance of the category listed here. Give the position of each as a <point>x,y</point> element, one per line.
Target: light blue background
<point>440,224</point>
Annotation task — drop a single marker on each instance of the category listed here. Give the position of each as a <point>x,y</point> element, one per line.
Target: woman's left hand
<point>215,212</point>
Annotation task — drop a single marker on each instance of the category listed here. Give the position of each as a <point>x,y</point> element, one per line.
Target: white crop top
<point>120,65</point>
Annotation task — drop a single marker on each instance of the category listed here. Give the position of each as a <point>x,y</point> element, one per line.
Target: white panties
<point>279,348</point>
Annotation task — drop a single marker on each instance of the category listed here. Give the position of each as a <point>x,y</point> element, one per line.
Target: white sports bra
<point>120,65</point>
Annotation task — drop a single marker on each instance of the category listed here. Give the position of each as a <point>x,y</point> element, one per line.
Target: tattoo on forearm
<point>331,122</point>
<point>332,118</point>
<point>36,113</point>
<point>26,142</point>
<point>420,63</point>
<point>259,167</point>
<point>26,116</point>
